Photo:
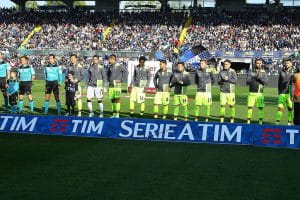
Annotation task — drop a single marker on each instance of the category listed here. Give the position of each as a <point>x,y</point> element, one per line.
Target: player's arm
<point>220,79</point>
<point>233,77</point>
<point>45,73</point>
<point>32,74</point>
<point>155,80</point>
<point>133,80</point>
<point>292,87</point>
<point>124,72</point>
<point>249,78</point>
<point>262,78</point>
<point>212,77</point>
<point>172,81</point>
<point>8,68</point>
<point>59,74</point>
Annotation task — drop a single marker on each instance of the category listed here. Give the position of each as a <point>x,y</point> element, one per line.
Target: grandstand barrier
<point>153,130</point>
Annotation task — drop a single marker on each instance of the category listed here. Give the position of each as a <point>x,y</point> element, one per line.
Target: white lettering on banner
<point>22,124</point>
<point>204,131</point>
<point>137,129</point>
<point>161,131</point>
<point>169,131</point>
<point>292,133</point>
<point>84,126</point>
<point>225,132</point>
<point>216,133</point>
<point>5,119</point>
<point>186,131</point>
<point>92,127</point>
<point>151,130</point>
<point>14,123</point>
<point>76,123</point>
<point>18,123</point>
<point>126,128</point>
<point>143,130</point>
<point>88,126</point>
<point>221,133</point>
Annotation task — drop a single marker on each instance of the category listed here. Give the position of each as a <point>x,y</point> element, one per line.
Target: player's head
<point>73,58</point>
<point>288,63</point>
<point>142,60</point>
<point>227,64</point>
<point>13,73</point>
<point>95,59</point>
<point>258,63</point>
<point>180,66</point>
<point>163,65</point>
<point>70,75</point>
<point>112,59</point>
<point>24,60</point>
<point>51,59</point>
<point>203,64</point>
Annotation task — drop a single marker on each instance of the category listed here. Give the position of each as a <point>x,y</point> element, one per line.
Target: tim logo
<point>59,125</point>
<point>271,136</point>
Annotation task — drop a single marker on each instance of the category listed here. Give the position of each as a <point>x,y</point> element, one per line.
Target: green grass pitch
<point>54,167</point>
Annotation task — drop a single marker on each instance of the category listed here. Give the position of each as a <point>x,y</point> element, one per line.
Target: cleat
<point>91,114</point>
<point>248,121</point>
<point>186,119</point>
<point>175,118</point>
<point>232,120</point>
<point>79,114</point>
<point>196,119</point>
<point>222,119</point>
<point>101,115</point>
<point>206,119</point>
<point>164,117</point>
<point>141,113</point>
<point>289,124</point>
<point>67,114</point>
<point>155,116</point>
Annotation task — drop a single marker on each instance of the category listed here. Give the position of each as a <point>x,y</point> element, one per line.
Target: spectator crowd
<point>148,31</point>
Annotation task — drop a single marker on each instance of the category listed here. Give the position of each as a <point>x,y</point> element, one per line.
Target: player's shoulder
<point>208,70</point>
<point>232,70</point>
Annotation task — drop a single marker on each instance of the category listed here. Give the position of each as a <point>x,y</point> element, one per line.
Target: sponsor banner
<point>149,129</point>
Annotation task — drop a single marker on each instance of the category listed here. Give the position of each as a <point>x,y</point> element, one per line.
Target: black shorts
<point>3,84</point>
<point>13,99</point>
<point>25,87</point>
<point>52,86</point>
<point>70,98</point>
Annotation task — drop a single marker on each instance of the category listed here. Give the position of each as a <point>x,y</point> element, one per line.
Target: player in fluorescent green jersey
<point>227,79</point>
<point>256,79</point>
<point>284,89</point>
<point>180,80</point>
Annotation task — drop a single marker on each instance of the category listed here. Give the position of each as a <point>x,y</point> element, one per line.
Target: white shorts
<point>93,92</point>
<point>138,95</point>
